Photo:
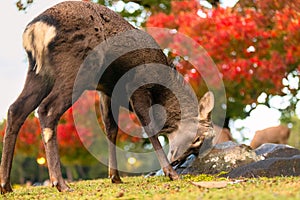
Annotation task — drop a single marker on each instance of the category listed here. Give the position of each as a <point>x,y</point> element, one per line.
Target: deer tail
<point>36,39</point>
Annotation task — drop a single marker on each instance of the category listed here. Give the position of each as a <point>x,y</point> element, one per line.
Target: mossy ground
<point>162,188</point>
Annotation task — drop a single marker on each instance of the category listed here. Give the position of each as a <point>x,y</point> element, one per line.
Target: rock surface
<point>234,160</point>
<point>279,166</point>
<point>270,150</point>
<point>279,160</point>
<point>223,158</point>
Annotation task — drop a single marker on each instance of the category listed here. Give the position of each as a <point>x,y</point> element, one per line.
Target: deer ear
<point>206,104</point>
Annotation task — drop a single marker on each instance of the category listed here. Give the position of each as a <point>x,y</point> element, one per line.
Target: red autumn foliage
<point>253,47</point>
<point>73,136</point>
<point>29,140</point>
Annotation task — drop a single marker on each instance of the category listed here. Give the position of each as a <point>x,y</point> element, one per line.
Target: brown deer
<point>277,134</point>
<point>78,46</point>
<point>222,135</point>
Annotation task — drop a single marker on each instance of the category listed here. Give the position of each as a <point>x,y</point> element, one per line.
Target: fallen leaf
<point>211,184</point>
<point>121,194</point>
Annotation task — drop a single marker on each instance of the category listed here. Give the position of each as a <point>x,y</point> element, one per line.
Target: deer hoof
<point>171,173</point>
<point>116,179</point>
<point>174,177</point>
<point>62,187</point>
<point>6,188</point>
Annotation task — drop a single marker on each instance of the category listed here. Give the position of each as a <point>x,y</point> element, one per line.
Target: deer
<point>221,135</point>
<point>58,42</point>
<point>277,134</point>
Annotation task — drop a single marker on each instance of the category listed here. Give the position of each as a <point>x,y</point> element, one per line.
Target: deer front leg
<point>111,128</point>
<point>141,103</point>
<point>163,160</point>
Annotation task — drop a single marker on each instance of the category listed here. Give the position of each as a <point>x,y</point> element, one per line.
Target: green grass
<point>162,188</point>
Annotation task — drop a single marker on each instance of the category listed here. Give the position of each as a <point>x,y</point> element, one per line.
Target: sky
<point>13,60</point>
<point>13,64</point>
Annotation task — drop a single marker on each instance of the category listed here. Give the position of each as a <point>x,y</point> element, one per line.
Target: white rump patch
<point>36,39</point>
<point>47,134</point>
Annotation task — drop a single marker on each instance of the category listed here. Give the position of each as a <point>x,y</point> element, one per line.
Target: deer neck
<point>179,105</point>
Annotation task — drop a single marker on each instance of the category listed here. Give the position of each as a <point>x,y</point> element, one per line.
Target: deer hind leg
<point>50,111</point>
<point>111,128</point>
<point>35,89</point>
<point>141,103</point>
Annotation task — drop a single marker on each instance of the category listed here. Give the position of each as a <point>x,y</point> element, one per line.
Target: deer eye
<point>196,140</point>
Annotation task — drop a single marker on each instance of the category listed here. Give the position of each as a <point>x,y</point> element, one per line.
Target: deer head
<point>184,140</point>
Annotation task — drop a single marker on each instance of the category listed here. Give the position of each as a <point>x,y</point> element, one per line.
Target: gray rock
<point>279,160</point>
<point>270,150</point>
<point>287,166</point>
<point>179,168</point>
<point>268,160</point>
<point>223,157</point>
<point>188,162</point>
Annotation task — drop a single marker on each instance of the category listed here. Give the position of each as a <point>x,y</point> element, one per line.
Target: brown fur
<point>222,135</point>
<point>278,135</point>
<point>55,57</point>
